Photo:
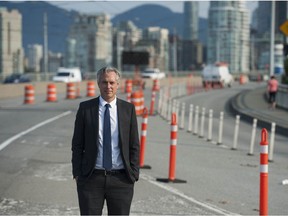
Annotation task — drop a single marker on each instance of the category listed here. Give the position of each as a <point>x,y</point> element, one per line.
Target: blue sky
<point>115,7</point>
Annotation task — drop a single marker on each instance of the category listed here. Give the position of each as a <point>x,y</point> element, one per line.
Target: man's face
<point>108,86</point>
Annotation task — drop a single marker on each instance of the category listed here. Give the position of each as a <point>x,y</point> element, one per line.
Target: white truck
<point>217,74</point>
<point>68,75</point>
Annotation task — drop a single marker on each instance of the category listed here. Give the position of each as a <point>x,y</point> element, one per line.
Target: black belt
<point>108,172</point>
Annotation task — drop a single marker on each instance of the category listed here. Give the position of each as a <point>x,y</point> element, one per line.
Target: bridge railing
<point>282,96</point>
<point>44,77</point>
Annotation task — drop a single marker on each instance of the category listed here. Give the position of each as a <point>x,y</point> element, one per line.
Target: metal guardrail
<point>282,96</point>
<point>44,77</point>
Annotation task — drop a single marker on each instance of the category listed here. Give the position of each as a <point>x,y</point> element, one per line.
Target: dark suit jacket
<point>86,132</point>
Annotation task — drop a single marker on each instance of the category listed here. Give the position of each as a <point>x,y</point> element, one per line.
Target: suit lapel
<point>94,109</point>
<point>121,122</point>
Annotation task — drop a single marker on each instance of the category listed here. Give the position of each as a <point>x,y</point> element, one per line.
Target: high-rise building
<point>229,35</point>
<point>11,50</point>
<point>55,61</point>
<point>262,31</point>
<point>190,20</point>
<point>192,49</point>
<point>34,56</point>
<point>93,36</point>
<point>125,36</point>
<point>70,57</point>
<point>263,16</point>
<point>158,38</point>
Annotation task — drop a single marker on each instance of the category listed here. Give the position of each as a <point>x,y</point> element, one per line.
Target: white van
<point>68,75</point>
<point>217,74</point>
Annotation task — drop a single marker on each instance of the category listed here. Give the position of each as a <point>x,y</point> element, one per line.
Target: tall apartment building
<point>93,37</point>
<point>229,35</point>
<point>125,36</point>
<point>158,39</point>
<point>34,57</point>
<point>261,24</point>
<point>190,20</point>
<point>192,49</point>
<point>70,55</point>
<point>11,50</point>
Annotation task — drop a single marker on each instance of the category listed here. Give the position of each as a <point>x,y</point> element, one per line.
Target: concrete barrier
<point>17,90</point>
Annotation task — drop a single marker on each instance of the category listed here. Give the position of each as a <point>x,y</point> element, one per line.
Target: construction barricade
<point>263,196</point>
<point>143,139</point>
<point>51,93</point>
<point>71,91</point>
<point>156,85</point>
<point>137,98</point>
<point>90,89</point>
<point>152,104</point>
<point>128,85</point>
<point>243,79</point>
<point>128,89</point>
<point>172,160</point>
<point>29,97</point>
<point>77,85</point>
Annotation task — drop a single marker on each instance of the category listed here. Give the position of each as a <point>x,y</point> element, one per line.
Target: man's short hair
<point>107,69</point>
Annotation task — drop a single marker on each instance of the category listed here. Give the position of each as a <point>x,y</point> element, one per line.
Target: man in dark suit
<point>105,164</point>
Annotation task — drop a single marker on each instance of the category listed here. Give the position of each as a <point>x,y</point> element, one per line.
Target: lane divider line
<point>215,209</point>
<point>10,140</point>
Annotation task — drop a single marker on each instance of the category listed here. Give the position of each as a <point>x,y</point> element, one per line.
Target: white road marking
<point>10,140</point>
<point>182,195</point>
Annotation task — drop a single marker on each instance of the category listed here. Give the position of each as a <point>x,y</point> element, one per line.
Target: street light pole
<point>45,53</point>
<point>175,53</point>
<point>272,38</point>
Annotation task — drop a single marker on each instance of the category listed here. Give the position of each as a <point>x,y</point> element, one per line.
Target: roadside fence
<point>168,103</point>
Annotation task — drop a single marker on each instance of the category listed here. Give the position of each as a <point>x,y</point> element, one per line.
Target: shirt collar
<point>103,102</point>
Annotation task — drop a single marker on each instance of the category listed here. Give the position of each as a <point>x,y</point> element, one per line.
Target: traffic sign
<point>284,28</point>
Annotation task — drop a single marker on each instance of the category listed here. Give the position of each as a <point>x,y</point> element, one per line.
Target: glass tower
<point>228,35</point>
<point>190,20</point>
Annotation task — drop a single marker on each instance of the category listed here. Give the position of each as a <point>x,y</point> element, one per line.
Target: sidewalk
<point>253,104</point>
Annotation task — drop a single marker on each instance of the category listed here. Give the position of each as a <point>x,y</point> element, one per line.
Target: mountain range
<point>59,21</point>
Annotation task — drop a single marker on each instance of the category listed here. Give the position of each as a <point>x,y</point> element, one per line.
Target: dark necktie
<point>107,152</point>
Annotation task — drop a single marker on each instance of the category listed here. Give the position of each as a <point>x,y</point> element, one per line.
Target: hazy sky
<point>116,7</point>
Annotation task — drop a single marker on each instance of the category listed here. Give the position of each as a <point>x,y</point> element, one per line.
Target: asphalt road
<point>35,168</point>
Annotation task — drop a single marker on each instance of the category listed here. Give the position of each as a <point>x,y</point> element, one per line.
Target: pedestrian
<point>105,150</point>
<point>272,89</point>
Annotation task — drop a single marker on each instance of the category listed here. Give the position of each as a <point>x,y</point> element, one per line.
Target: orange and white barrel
<point>128,86</point>
<point>51,93</point>
<point>71,91</point>
<point>242,79</point>
<point>156,85</point>
<point>90,89</point>
<point>137,98</point>
<point>78,90</point>
<point>29,94</point>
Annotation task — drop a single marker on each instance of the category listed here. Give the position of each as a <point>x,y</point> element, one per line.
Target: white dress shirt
<point>117,162</point>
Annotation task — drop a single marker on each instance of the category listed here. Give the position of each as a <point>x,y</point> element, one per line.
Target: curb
<point>236,106</point>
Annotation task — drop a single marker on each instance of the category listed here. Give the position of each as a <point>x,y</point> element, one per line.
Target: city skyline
<point>114,8</point>
<point>227,22</point>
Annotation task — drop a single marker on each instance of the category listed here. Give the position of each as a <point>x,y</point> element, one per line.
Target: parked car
<point>153,73</point>
<point>217,74</point>
<point>17,78</point>
<point>68,75</point>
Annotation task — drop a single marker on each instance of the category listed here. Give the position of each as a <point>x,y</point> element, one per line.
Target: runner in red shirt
<point>272,89</point>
